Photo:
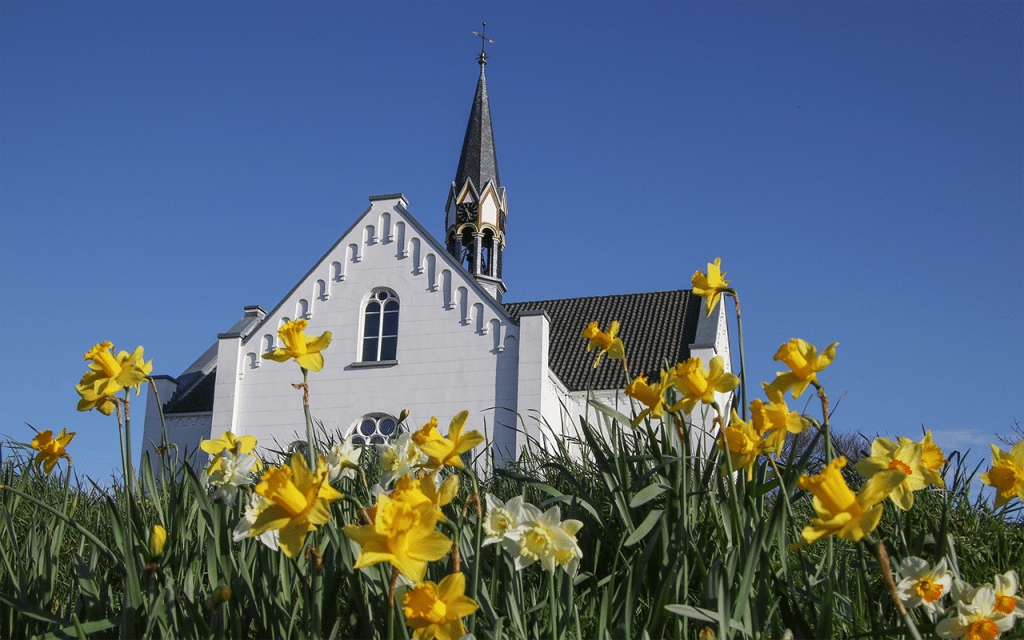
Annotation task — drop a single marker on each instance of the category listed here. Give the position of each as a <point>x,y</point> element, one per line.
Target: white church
<point>420,324</point>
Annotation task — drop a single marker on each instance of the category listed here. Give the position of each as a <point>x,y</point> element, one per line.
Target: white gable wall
<point>457,349</point>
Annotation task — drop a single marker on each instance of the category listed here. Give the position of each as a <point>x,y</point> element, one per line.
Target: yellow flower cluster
<point>1006,474</point>
<point>605,341</point>
<point>691,379</point>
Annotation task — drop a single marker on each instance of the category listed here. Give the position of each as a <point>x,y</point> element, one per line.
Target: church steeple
<point>476,207</point>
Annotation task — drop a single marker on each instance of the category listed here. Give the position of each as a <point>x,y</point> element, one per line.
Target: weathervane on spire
<point>482,59</point>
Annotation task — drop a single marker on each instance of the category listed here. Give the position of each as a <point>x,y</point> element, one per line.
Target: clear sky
<point>857,167</point>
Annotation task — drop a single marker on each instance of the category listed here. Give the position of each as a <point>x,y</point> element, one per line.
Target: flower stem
<point>311,456</point>
<point>743,362</point>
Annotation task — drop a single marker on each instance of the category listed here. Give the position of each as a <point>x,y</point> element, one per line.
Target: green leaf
<point>645,527</point>
<point>647,494</point>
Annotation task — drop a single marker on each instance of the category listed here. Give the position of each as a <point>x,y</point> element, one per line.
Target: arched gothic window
<point>375,428</point>
<point>380,327</point>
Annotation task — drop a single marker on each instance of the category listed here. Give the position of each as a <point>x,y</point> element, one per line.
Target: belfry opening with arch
<point>420,324</point>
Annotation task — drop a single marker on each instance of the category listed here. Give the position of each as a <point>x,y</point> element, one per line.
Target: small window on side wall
<point>380,327</point>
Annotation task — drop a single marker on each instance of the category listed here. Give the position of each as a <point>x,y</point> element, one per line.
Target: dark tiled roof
<point>478,162</point>
<point>655,327</point>
<point>192,395</point>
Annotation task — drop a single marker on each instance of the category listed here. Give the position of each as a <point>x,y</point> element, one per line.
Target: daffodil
<point>402,534</point>
<point>256,505</point>
<point>108,375</point>
<point>975,617</point>
<point>51,449</point>
<point>1006,474</point>
<point>435,611</point>
<point>1007,600</point>
<point>743,444</point>
<point>343,460</point>
<point>441,495</point>
<point>710,286</point>
<point>228,440</point>
<point>698,384</point>
<point>569,559</point>
<point>427,433</point>
<point>652,397</point>
<point>840,511</point>
<point>932,459</point>
<point>887,455</point>
<point>233,471</point>
<point>305,349</point>
<point>804,363</point>
<point>399,457</point>
<point>778,421</point>
<point>298,502</point>
<point>503,522</point>
<point>446,451</point>
<point>543,539</point>
<point>923,585</point>
<point>605,341</point>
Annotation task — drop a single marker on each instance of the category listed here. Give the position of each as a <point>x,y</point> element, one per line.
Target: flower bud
<point>157,538</point>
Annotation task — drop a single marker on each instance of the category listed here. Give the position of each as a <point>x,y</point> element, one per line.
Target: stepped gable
<point>654,327</point>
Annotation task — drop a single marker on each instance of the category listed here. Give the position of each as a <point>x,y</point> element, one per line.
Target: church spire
<point>476,208</point>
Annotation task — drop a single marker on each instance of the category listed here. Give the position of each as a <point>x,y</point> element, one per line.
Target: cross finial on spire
<point>482,59</point>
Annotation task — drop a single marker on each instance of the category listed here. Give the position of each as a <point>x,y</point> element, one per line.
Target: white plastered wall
<point>457,349</point>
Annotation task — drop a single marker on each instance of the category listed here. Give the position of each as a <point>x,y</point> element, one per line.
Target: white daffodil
<point>570,560</point>
<point>253,509</point>
<point>975,616</point>
<point>503,522</point>
<point>543,539</point>
<point>1007,600</point>
<point>923,585</point>
<point>232,472</point>
<point>399,457</point>
<point>343,460</point>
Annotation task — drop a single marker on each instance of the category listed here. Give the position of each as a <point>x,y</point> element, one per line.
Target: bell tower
<point>476,208</point>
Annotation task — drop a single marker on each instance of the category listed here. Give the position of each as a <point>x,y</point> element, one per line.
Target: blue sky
<point>857,167</point>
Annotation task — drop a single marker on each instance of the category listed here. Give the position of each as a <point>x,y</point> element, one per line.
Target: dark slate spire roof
<point>478,161</point>
<point>655,327</point>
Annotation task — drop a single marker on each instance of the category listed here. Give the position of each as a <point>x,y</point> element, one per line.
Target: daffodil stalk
<point>883,563</point>
<point>743,363</point>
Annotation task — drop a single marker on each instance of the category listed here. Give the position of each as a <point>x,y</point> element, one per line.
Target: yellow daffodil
<point>305,349</point>
<point>51,449</point>
<point>804,363</point>
<point>439,496</point>
<point>779,421</point>
<point>743,444</point>
<point>298,502</point>
<point>157,538</point>
<point>699,385</point>
<point>108,375</point>
<point>446,451</point>
<point>840,511</point>
<point>710,286</point>
<point>427,432</point>
<point>228,440</point>
<point>932,459</point>
<point>1006,474</point>
<point>604,340</point>
<point>887,455</point>
<point>435,611</point>
<point>652,397</point>
<point>402,534</point>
